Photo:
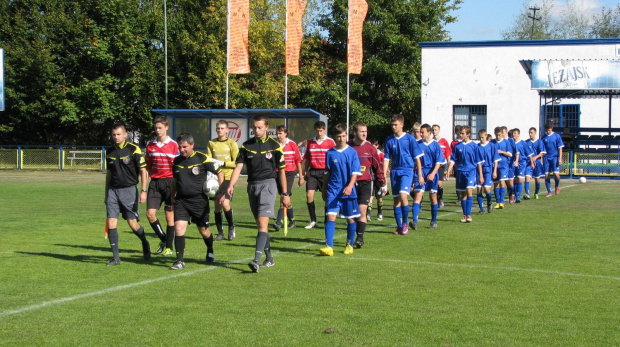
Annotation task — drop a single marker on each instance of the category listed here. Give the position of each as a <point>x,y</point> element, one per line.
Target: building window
<point>473,116</point>
<point>562,115</point>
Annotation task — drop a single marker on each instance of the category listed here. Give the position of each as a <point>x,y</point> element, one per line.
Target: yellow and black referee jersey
<point>191,173</point>
<point>261,157</point>
<point>124,163</point>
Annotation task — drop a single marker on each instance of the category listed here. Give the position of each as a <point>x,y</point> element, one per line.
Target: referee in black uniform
<point>125,163</point>
<point>262,155</point>
<point>190,204</point>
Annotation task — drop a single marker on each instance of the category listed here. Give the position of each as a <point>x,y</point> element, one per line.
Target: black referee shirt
<point>191,173</point>
<point>262,157</point>
<point>124,163</point>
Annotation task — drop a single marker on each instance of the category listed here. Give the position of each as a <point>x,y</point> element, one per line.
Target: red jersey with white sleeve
<point>370,162</point>
<point>292,157</point>
<point>445,148</point>
<point>160,156</point>
<point>317,150</point>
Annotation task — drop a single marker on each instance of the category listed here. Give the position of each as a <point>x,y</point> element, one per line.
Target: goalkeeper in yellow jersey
<point>224,151</point>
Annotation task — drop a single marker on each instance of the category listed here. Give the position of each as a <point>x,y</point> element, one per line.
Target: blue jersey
<point>432,155</point>
<point>342,164</point>
<point>536,147</point>
<point>403,151</point>
<point>553,143</point>
<point>488,153</point>
<point>524,153</point>
<point>502,145</point>
<point>513,150</point>
<point>466,156</point>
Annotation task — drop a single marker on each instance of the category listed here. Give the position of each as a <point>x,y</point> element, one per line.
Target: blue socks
<point>416,211</point>
<point>351,232</point>
<point>330,230</point>
<point>434,210</point>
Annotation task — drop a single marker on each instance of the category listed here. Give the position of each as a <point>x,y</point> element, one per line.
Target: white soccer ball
<point>582,179</point>
<point>210,188</point>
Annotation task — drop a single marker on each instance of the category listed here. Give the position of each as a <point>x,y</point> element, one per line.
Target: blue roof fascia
<point>501,43</point>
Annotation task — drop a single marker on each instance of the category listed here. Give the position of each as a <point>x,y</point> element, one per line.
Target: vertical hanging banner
<point>1,79</point>
<point>294,34</point>
<point>238,28</point>
<point>355,48</point>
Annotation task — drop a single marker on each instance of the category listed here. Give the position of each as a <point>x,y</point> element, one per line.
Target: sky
<point>483,20</point>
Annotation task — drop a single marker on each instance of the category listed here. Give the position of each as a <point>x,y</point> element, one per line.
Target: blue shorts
<point>345,207</point>
<point>520,170</point>
<point>401,181</point>
<point>551,165</point>
<point>465,180</point>
<point>487,172</point>
<point>539,170</point>
<point>432,186</point>
<point>510,173</point>
<point>502,174</point>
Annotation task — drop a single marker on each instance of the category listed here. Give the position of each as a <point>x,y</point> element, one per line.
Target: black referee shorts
<point>195,210</point>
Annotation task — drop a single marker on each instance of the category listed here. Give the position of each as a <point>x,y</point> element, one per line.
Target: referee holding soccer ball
<point>190,204</point>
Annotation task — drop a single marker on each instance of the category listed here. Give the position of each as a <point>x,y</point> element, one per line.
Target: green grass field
<point>544,272</point>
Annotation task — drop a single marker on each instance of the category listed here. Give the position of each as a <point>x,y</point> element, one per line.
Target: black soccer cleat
<point>114,262</point>
<point>254,266</point>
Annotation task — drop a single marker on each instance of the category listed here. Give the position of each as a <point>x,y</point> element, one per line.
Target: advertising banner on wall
<point>237,129</point>
<point>575,74</point>
<point>1,79</point>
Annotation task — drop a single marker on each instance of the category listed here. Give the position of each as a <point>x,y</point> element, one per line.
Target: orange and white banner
<point>294,34</point>
<point>238,27</point>
<point>355,48</point>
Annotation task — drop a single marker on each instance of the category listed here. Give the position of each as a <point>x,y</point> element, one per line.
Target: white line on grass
<point>193,272</point>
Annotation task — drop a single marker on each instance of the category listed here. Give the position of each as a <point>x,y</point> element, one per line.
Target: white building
<point>490,83</point>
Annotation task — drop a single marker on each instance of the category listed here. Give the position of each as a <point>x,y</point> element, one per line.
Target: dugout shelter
<point>201,122</point>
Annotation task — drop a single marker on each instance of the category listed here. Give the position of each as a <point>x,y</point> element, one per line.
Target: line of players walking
<point>349,174</point>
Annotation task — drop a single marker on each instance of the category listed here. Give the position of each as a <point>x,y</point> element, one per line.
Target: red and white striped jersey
<point>317,150</point>
<point>159,157</point>
<point>291,155</point>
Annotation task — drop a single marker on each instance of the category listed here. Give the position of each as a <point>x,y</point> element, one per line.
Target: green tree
<point>390,78</point>
<point>526,28</point>
<point>606,24</point>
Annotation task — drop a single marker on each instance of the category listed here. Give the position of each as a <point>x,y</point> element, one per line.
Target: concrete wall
<point>490,74</point>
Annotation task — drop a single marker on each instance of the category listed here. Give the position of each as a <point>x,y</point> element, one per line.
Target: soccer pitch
<point>543,272</point>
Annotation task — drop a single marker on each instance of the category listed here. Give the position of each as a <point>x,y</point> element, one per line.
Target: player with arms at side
<point>553,158</point>
<point>499,182</point>
<point>339,193</point>
<point>262,155</point>
<point>292,158</point>
<point>370,164</point>
<point>314,166</point>
<point>125,168</point>
<point>522,160</point>
<point>190,204</point>
<point>160,154</point>
<point>377,191</point>
<point>467,158</point>
<point>432,161</point>
<point>535,168</point>
<point>224,151</point>
<point>447,152</point>
<point>488,152</point>
<point>403,150</point>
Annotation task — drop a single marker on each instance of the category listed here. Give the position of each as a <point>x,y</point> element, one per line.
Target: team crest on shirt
<point>126,160</point>
<point>195,170</point>
<point>268,155</point>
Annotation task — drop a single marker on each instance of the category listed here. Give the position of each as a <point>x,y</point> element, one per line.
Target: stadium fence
<point>65,158</point>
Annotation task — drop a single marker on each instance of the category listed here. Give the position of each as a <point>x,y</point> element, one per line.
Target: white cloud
<point>584,6</point>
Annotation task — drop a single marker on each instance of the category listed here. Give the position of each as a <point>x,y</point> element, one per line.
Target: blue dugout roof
<point>239,113</point>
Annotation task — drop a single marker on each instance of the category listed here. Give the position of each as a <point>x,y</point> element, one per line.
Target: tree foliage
<point>573,22</point>
<point>74,67</point>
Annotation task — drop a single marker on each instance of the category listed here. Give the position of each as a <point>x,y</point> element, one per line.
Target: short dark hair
<point>185,137</point>
<point>466,129</point>
<point>339,129</point>
<point>398,118</point>
<point>319,125</point>
<point>548,126</point>
<point>532,128</point>
<point>437,125</point>
<point>498,130</point>
<point>160,119</point>
<point>517,130</point>
<point>282,128</point>
<point>261,117</point>
<point>427,127</point>
<point>119,124</point>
